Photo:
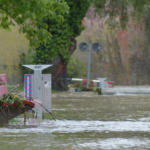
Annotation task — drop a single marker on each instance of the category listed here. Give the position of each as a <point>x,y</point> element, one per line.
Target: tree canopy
<point>62,33</point>
<point>28,14</point>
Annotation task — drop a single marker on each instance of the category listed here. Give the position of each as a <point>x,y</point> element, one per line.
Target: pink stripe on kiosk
<point>3,89</point>
<point>3,78</point>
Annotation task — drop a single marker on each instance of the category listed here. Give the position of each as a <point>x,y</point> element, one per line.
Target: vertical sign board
<point>36,85</point>
<point>46,92</point>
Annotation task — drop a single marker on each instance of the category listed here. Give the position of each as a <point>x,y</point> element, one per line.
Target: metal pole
<point>88,71</point>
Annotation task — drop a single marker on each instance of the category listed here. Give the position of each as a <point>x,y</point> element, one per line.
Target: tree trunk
<point>59,70</point>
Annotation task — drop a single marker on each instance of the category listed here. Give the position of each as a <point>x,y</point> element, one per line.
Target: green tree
<point>63,33</point>
<point>59,48</point>
<point>28,14</point>
<point>75,69</point>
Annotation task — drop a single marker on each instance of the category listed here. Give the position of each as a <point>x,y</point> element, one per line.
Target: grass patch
<point>20,88</point>
<point>47,116</point>
<point>13,121</point>
<point>55,91</point>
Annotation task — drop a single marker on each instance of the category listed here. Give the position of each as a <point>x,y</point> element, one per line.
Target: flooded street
<point>87,121</point>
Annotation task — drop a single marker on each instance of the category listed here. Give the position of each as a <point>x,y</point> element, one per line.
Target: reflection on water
<point>86,121</point>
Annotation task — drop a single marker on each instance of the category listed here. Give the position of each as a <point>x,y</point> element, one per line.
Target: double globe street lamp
<point>83,47</point>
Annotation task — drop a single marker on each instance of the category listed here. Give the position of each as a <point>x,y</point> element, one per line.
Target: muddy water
<point>86,121</point>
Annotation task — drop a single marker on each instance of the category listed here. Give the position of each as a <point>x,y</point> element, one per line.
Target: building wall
<point>125,54</point>
<point>12,44</point>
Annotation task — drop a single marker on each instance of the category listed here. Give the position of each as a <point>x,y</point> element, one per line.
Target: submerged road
<point>86,121</point>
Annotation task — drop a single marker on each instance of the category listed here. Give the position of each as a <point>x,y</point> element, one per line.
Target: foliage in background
<point>75,69</point>
<point>119,11</point>
<point>27,58</point>
<point>28,14</point>
<point>20,88</point>
<point>98,90</point>
<point>80,86</point>
<point>147,23</point>
<point>62,33</point>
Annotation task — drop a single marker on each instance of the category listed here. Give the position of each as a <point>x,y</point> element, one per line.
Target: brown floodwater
<point>86,121</point>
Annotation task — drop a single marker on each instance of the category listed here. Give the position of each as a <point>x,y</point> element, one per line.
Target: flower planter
<point>8,112</point>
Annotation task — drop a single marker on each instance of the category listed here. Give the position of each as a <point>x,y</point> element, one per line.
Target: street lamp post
<point>96,48</point>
